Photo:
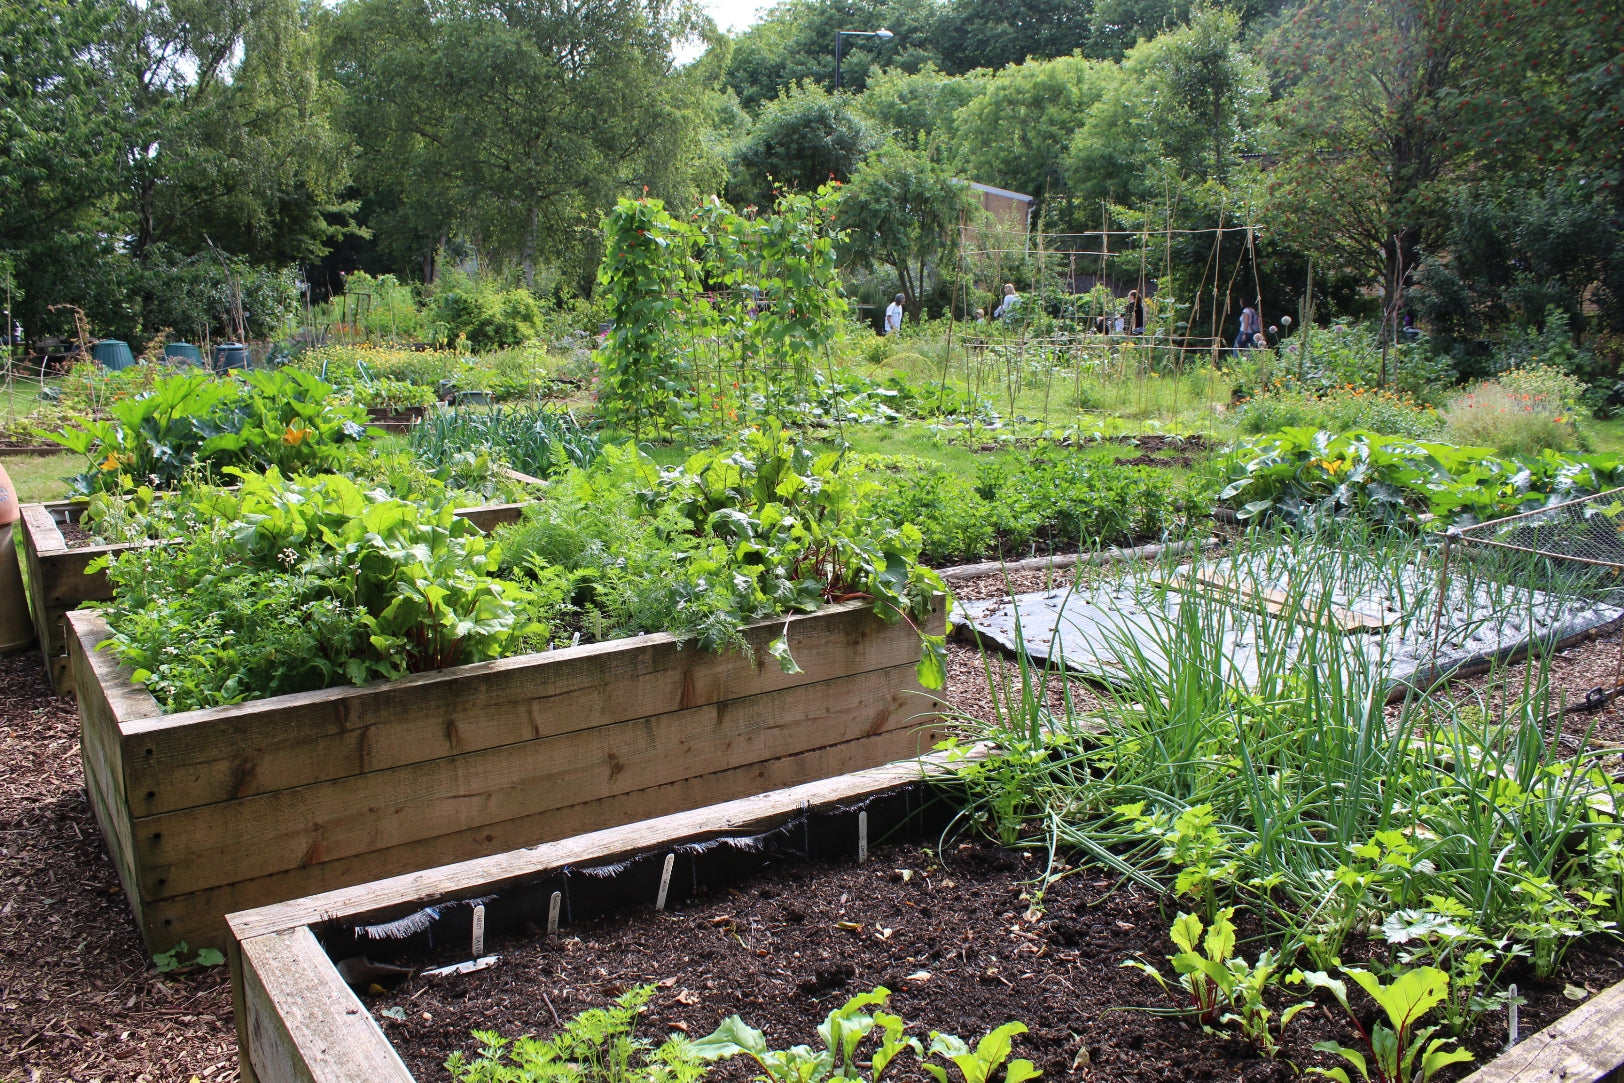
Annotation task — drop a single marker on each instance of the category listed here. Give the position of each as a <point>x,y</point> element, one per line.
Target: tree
<point>803,138</point>
<point>974,34</point>
<point>795,43</point>
<point>904,210</point>
<point>1015,131</point>
<point>910,106</point>
<point>1363,141</point>
<point>515,122</point>
<point>174,123</point>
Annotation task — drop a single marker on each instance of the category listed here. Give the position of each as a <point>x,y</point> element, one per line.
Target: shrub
<point>1515,422</point>
<point>1339,410</point>
<point>284,418</point>
<point>485,316</point>
<point>1306,476</point>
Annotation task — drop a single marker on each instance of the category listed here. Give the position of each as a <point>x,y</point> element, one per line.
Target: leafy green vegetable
<point>1400,1051</point>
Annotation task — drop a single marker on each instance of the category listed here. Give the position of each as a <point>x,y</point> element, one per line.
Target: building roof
<point>1005,192</point>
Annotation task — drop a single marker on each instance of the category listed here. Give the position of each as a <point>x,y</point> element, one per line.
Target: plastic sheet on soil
<point>1090,629</point>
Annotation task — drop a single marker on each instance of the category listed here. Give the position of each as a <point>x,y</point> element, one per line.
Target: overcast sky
<point>734,15</point>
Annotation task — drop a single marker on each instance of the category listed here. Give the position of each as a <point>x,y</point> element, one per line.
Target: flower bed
<point>299,1020</point>
<point>59,579</point>
<point>211,811</point>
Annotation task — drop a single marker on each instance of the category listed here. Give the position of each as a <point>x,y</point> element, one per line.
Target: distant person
<point>1251,326</point>
<point>1006,307</point>
<point>893,315</point>
<point>1136,313</point>
<point>981,315</point>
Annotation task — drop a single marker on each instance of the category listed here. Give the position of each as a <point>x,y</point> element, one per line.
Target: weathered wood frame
<point>213,811</point>
<point>298,1022</point>
<point>58,581</point>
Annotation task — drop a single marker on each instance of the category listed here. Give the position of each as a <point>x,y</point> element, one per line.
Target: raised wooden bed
<point>58,580</point>
<point>297,1020</point>
<point>212,811</point>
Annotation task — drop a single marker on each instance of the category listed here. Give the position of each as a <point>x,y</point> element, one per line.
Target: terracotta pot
<point>9,512</point>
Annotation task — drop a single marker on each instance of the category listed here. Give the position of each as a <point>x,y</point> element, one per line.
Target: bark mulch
<point>80,1001</point>
<point>953,938</point>
<point>79,998</point>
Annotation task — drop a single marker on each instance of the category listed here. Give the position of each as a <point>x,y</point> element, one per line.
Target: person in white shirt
<point>1006,307</point>
<point>893,315</point>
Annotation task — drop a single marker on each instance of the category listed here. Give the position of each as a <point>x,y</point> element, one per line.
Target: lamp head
<point>883,34</point>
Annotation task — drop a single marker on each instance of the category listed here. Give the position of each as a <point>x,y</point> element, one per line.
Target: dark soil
<point>1182,462</point>
<point>954,940</point>
<point>1147,443</point>
<point>75,535</point>
<point>79,999</point>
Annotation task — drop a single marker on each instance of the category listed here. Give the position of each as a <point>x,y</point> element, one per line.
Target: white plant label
<point>665,881</point>
<point>1511,1017</point>
<point>862,837</point>
<point>479,931</point>
<point>552,913</point>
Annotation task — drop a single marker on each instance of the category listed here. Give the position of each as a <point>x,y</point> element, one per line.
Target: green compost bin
<point>230,355</point>
<point>112,354</point>
<point>183,353</point>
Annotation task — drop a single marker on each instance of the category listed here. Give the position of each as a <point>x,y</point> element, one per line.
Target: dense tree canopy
<point>1463,159</point>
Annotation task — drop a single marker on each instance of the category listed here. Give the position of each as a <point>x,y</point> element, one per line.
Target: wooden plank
<point>239,1012</point>
<point>1277,602</point>
<point>384,899</point>
<point>40,538</point>
<point>491,516</point>
<point>196,758</point>
<point>1109,555</point>
<point>304,1024</point>
<point>197,848</point>
<point>201,916</point>
<point>123,697</point>
<point>100,749</point>
<point>1584,1046</point>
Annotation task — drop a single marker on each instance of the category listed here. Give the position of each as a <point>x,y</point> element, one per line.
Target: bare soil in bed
<point>954,940</point>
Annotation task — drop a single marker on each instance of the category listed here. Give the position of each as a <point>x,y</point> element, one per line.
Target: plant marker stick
<point>665,881</point>
<point>862,837</point>
<point>1511,1015</point>
<point>552,913</point>
<point>479,931</point>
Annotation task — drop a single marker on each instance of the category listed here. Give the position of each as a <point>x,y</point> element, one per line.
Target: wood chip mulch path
<point>79,998</point>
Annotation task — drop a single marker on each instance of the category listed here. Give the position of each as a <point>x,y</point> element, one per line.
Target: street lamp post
<point>882,33</point>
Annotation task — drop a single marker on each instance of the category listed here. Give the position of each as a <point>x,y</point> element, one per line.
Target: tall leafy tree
<point>972,34</point>
<point>795,43</point>
<point>1363,135</point>
<point>516,122</point>
<point>1015,131</point>
<point>904,210</point>
<point>911,106</point>
<point>804,138</point>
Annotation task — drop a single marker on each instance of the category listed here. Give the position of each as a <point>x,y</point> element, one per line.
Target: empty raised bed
<point>211,811</point>
<point>298,1018</point>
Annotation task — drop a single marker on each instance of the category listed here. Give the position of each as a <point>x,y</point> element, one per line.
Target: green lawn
<point>39,477</point>
<point>1606,435</point>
